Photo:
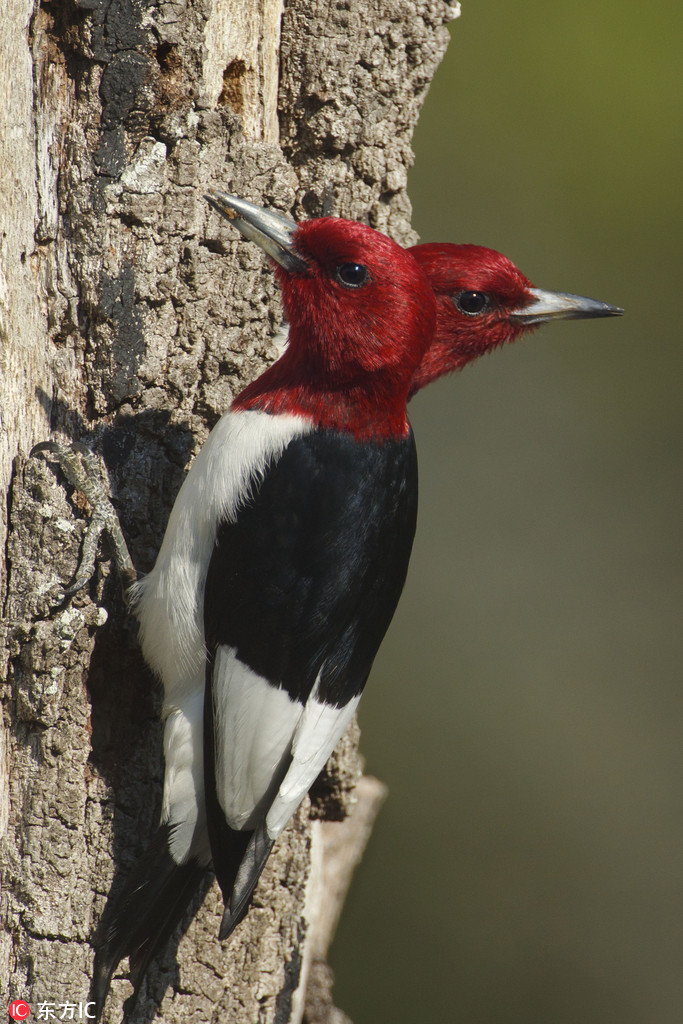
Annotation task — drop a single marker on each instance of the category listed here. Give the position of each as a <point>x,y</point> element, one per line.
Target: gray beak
<point>561,306</point>
<point>274,232</point>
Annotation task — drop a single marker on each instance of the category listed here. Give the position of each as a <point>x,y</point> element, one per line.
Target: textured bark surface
<point>129,316</point>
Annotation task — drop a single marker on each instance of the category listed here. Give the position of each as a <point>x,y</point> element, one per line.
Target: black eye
<point>352,275</point>
<point>471,303</point>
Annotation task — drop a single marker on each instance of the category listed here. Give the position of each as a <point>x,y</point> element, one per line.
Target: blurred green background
<point>526,709</point>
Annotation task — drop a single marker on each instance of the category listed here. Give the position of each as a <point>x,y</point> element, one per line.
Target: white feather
<point>183,801</point>
<point>254,725</point>
<point>319,730</point>
<point>269,747</point>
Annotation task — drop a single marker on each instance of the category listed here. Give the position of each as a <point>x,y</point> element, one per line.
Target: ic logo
<point>19,1010</point>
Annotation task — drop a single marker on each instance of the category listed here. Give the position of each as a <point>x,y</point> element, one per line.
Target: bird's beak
<point>274,232</point>
<point>561,306</point>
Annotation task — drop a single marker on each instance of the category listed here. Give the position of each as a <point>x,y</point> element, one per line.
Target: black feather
<point>303,585</point>
<point>248,874</point>
<point>138,921</point>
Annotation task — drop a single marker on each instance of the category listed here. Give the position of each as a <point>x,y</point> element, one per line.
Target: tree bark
<point>129,317</point>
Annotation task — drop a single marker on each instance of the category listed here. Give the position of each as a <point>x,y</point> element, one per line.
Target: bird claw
<point>85,472</point>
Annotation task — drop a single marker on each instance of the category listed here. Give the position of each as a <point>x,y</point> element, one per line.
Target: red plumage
<point>482,301</point>
<point>459,337</point>
<point>352,351</point>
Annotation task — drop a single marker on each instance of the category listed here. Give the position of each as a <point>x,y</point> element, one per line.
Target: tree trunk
<point>129,317</point>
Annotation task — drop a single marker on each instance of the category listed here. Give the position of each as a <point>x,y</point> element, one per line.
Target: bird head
<point>361,314</point>
<point>366,306</point>
<point>483,300</point>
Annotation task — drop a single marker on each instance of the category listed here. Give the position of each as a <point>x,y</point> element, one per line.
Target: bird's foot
<point>86,472</point>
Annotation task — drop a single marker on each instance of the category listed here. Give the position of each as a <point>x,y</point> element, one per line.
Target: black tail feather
<point>139,921</point>
<point>187,887</point>
<point>248,874</point>
<point>239,857</point>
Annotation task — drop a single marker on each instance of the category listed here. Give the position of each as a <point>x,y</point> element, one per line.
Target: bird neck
<point>439,359</point>
<point>370,407</point>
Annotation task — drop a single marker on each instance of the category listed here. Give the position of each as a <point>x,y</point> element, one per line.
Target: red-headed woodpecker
<point>483,301</point>
<point>287,547</point>
<point>284,558</point>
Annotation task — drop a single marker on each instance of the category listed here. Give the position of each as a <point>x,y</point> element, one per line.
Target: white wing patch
<point>269,748</point>
<point>319,730</point>
<point>254,725</point>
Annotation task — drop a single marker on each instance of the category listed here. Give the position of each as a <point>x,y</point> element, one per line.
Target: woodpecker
<point>284,558</point>
<point>483,301</point>
<point>287,547</point>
